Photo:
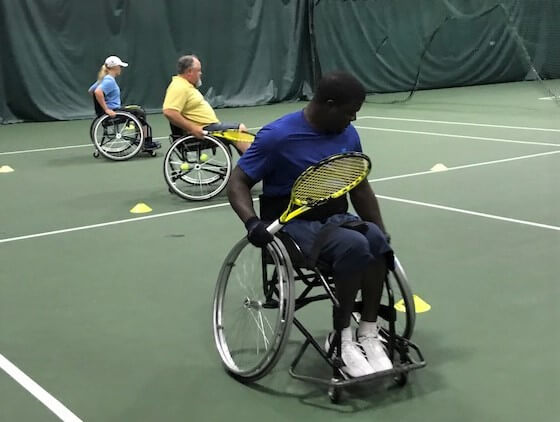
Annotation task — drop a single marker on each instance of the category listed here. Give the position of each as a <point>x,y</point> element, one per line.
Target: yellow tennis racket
<point>330,178</point>
<point>234,135</point>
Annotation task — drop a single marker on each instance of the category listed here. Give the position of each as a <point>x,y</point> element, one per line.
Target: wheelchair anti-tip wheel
<point>197,169</point>
<point>117,138</point>
<point>253,309</point>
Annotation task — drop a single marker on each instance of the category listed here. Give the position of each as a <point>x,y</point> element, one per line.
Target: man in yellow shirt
<point>185,107</point>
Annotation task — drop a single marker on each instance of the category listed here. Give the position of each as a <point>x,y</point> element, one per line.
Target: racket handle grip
<point>274,227</point>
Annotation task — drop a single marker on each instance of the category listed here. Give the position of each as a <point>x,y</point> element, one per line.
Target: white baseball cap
<point>113,61</point>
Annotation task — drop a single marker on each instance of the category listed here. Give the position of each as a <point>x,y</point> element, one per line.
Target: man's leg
<point>372,289</point>
<point>374,277</point>
<point>347,286</point>
<point>348,252</point>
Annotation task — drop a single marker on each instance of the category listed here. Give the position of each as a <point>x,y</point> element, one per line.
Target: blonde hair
<point>102,72</point>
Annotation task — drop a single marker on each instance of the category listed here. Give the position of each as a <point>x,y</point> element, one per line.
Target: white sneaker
<point>375,352</point>
<point>355,363</point>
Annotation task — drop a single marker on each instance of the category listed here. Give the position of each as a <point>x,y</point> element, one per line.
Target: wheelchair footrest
<point>408,359</point>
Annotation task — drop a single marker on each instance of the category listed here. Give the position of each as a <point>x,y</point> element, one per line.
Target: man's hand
<point>177,119</point>
<point>257,233</point>
<point>110,113</point>
<point>197,131</point>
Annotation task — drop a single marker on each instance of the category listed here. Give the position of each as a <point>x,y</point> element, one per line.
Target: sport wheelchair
<point>121,137</point>
<point>199,169</point>
<point>253,311</point>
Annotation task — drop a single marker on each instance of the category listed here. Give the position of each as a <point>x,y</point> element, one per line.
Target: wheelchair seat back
<point>98,109</point>
<point>176,132</point>
<point>100,112</point>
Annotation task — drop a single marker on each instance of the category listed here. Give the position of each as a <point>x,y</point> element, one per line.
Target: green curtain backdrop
<point>437,43</point>
<point>262,51</point>
<point>252,51</point>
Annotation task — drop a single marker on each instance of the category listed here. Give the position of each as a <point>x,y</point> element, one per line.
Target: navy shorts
<point>345,249</point>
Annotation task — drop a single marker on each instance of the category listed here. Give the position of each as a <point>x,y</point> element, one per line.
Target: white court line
<point>224,204</point>
<point>24,151</point>
<point>111,223</point>
<point>449,135</point>
<point>37,391</point>
<point>444,122</point>
<point>468,212</point>
<point>465,166</point>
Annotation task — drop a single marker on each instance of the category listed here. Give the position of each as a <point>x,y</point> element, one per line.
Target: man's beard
<point>199,83</point>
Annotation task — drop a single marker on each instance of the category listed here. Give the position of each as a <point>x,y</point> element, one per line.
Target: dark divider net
<point>399,47</point>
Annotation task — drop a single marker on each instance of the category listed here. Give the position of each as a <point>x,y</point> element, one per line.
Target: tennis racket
<point>234,135</point>
<point>330,178</point>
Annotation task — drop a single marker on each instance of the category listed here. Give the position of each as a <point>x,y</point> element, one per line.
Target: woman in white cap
<point>107,94</point>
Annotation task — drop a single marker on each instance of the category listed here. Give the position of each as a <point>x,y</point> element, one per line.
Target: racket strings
<point>331,179</point>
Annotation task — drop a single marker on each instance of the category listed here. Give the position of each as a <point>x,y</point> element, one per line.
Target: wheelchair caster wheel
<point>401,379</point>
<point>170,191</point>
<point>334,394</point>
<point>95,154</point>
<point>153,153</point>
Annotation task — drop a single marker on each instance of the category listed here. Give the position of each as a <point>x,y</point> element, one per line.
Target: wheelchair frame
<point>128,120</point>
<point>288,260</point>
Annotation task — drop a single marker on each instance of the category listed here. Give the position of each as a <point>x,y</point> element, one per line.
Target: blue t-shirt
<point>283,149</point>
<point>111,90</point>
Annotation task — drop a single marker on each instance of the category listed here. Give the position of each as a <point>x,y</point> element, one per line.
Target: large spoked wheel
<point>404,302</point>
<point>118,138</point>
<point>197,169</point>
<point>253,309</point>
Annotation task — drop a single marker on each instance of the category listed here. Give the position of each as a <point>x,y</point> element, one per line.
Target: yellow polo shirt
<point>183,96</point>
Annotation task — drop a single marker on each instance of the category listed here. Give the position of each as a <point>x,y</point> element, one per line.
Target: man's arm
<point>366,205</point>
<point>180,121</point>
<point>239,194</point>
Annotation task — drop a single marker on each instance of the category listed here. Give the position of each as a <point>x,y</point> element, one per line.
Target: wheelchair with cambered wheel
<point>199,169</point>
<point>254,308</point>
<point>120,137</point>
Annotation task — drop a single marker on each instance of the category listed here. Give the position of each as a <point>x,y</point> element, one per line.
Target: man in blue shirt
<point>282,150</point>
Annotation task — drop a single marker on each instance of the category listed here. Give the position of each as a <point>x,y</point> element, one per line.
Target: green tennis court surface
<point>110,312</point>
